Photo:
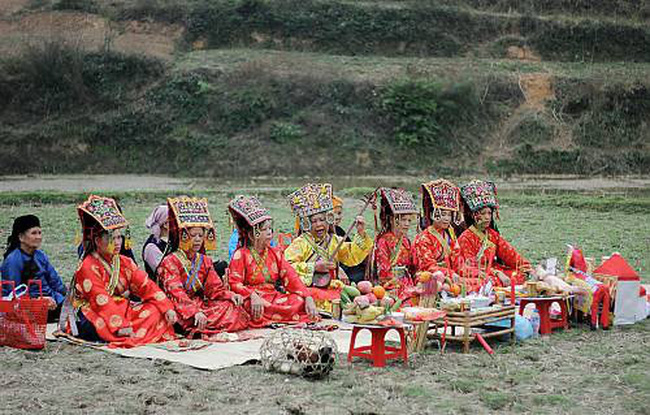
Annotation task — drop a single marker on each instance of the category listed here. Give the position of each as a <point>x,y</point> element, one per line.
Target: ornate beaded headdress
<point>104,211</point>
<point>309,200</point>
<point>440,195</point>
<point>190,212</point>
<point>479,194</point>
<point>249,208</point>
<point>399,200</point>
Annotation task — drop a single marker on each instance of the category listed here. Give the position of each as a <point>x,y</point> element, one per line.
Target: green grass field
<point>534,225</point>
<point>577,371</point>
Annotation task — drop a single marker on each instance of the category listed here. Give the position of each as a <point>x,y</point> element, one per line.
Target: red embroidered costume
<point>189,278</point>
<point>266,273</point>
<point>482,248</point>
<point>206,294</point>
<point>104,283</point>
<point>436,247</point>
<point>393,254</point>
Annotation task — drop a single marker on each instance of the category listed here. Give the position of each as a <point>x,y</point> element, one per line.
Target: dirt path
<point>81,183</point>
<point>85,183</point>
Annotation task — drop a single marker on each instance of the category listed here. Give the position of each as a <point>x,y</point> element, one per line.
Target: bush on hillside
<point>423,111</point>
<point>55,76</point>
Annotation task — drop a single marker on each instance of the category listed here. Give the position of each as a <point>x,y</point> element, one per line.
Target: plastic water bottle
<point>535,322</point>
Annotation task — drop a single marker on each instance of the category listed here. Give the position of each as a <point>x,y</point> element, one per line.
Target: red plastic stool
<point>543,305</point>
<point>378,352</point>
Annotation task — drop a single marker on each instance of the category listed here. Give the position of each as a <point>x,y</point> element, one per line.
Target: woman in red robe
<point>272,290</point>
<point>484,252</point>
<point>106,281</point>
<point>188,276</point>
<point>436,248</point>
<point>393,254</point>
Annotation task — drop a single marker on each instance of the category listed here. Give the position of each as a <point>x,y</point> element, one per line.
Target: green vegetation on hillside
<point>407,28</point>
<point>394,107</point>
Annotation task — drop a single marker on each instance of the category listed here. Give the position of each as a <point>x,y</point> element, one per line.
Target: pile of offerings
<point>370,306</point>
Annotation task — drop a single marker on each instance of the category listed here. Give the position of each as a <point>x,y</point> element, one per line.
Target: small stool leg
<point>466,339</point>
<point>378,347</point>
<point>443,338</point>
<point>403,345</point>
<point>564,308</point>
<point>353,339</point>
<point>544,318</point>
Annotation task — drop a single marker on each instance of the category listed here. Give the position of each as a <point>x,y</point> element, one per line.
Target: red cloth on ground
<point>601,296</point>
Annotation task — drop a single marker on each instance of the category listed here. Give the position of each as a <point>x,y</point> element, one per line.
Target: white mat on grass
<point>221,355</point>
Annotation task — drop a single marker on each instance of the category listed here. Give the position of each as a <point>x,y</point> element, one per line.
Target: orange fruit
<point>455,290</point>
<point>379,292</point>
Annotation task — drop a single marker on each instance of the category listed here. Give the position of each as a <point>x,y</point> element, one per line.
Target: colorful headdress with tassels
<point>394,203</point>
<point>439,195</point>
<point>479,194</point>
<point>190,212</point>
<point>309,200</point>
<point>103,212</point>
<point>249,208</point>
<point>399,201</point>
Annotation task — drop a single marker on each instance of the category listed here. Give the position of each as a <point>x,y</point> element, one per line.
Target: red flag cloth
<point>617,266</point>
<point>578,260</point>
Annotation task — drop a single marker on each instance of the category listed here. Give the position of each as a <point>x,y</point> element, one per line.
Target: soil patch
<point>90,32</point>
<point>522,53</point>
<point>537,89</point>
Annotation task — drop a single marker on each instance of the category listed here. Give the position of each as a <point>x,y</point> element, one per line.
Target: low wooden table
<point>469,320</point>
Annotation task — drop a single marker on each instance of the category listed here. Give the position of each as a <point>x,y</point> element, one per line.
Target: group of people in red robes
<point>478,255</point>
<point>112,300</point>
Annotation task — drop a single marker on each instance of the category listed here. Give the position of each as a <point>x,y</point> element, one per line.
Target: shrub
<point>49,75</point>
<point>422,111</point>
<point>285,132</point>
<point>88,6</point>
<point>54,76</point>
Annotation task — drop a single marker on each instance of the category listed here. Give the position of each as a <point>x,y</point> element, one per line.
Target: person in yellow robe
<point>314,254</point>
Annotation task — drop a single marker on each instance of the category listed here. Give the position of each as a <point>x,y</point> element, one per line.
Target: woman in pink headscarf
<point>157,244</point>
